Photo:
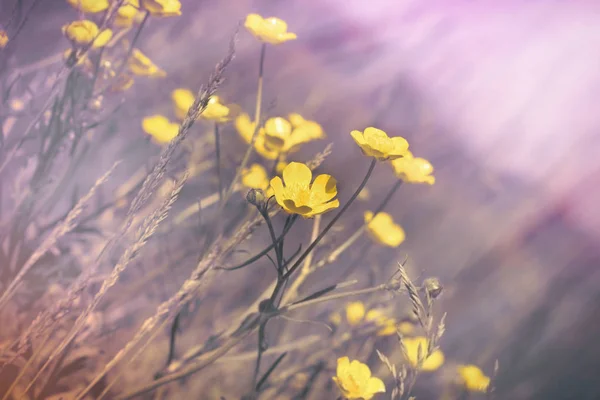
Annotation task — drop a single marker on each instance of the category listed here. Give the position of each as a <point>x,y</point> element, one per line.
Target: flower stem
<point>218,161</point>
<point>327,228</point>
<point>257,111</point>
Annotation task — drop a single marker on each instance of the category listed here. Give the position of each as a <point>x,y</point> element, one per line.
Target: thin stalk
<point>218,161</point>
<point>257,111</point>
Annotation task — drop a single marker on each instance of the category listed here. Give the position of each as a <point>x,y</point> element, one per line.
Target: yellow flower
<point>89,6</point>
<point>162,8</point>
<point>141,65</point>
<point>3,38</point>
<point>364,194</point>
<point>406,328</point>
<point>128,13</point>
<point>355,312</point>
<point>216,111</point>
<point>270,30</point>
<point>245,128</point>
<point>280,167</point>
<point>300,196</point>
<point>383,230</point>
<point>473,378</point>
<point>376,143</point>
<point>413,169</point>
<point>277,132</point>
<point>306,128</point>
<point>335,318</point>
<point>355,381</point>
<point>82,33</point>
<point>255,177</point>
<point>182,100</point>
<point>433,362</point>
<point>387,324</point>
<point>160,128</point>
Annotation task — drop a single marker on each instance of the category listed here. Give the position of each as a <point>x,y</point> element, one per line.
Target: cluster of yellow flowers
<point>357,314</point>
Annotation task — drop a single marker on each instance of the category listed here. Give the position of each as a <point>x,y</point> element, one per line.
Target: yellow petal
<point>323,208</point>
<point>103,38</point>
<point>358,137</point>
<point>297,174</point>
<point>355,312</point>
<point>324,188</point>
<point>375,385</point>
<point>277,186</point>
<point>343,365</point>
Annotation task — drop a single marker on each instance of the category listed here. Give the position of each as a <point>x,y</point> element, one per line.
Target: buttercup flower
<point>82,33</point>
<point>245,128</point>
<point>355,312</point>
<point>306,128</point>
<point>255,177</point>
<point>182,101</point>
<point>383,230</point>
<point>141,65</point>
<point>162,8</point>
<point>300,196</point>
<point>160,128</point>
<point>378,317</point>
<point>277,131</point>
<point>433,362</point>
<point>473,378</point>
<point>128,13</point>
<point>413,169</point>
<point>216,111</point>
<point>3,38</point>
<point>89,6</point>
<point>270,30</point>
<point>376,143</point>
<point>355,381</point>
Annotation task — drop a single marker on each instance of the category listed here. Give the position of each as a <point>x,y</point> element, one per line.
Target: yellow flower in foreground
<point>355,381</point>
<point>433,362</point>
<point>162,8</point>
<point>300,196</point>
<point>413,169</point>
<point>383,230</point>
<point>160,128</point>
<point>376,143</point>
<point>473,378</point>
<point>255,177</point>
<point>82,33</point>
<point>3,38</point>
<point>89,6</point>
<point>270,30</point>
<point>216,111</point>
<point>128,13</point>
<point>182,101</point>
<point>141,65</point>
<point>355,312</point>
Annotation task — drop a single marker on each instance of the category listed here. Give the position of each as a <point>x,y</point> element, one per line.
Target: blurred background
<point>501,97</point>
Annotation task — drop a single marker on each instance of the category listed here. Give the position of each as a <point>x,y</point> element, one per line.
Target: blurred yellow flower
<point>128,13</point>
<point>216,111</point>
<point>89,6</point>
<point>473,378</point>
<point>182,101</point>
<point>306,128</point>
<point>335,318</point>
<point>270,30</point>
<point>84,32</point>
<point>364,194</point>
<point>383,230</point>
<point>376,143</point>
<point>160,128</point>
<point>3,38</point>
<point>162,8</point>
<point>413,169</point>
<point>122,83</point>
<point>277,131</point>
<point>280,167</point>
<point>255,177</point>
<point>433,362</point>
<point>355,381</point>
<point>141,65</point>
<point>378,317</point>
<point>245,128</point>
<point>406,328</point>
<point>300,196</point>
<point>355,312</point>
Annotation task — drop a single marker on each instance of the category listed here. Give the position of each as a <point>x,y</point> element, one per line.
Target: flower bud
<point>256,197</point>
<point>433,287</point>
